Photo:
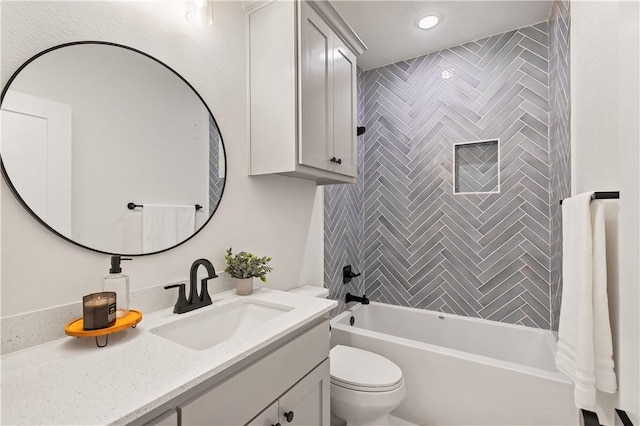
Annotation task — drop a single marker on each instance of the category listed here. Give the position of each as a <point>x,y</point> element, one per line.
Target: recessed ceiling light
<point>428,21</point>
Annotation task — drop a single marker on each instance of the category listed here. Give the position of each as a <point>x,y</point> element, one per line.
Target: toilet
<point>365,387</point>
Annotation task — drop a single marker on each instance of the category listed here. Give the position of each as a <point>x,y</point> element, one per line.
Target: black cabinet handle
<point>339,161</point>
<point>333,159</point>
<point>277,424</point>
<point>289,416</point>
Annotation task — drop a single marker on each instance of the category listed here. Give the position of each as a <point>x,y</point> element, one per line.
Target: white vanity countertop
<point>71,381</point>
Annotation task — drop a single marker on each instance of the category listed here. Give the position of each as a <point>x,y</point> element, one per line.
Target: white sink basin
<point>214,325</point>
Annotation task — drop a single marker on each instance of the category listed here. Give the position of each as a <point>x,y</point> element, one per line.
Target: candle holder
<point>99,310</point>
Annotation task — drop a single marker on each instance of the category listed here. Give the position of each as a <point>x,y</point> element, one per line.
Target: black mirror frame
<point>42,222</point>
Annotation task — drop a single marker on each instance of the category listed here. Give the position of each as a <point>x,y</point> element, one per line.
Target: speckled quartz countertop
<point>71,381</point>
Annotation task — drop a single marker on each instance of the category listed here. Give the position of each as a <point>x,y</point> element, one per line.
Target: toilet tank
<point>309,290</point>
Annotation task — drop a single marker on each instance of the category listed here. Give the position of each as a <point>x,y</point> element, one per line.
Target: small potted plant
<point>243,267</point>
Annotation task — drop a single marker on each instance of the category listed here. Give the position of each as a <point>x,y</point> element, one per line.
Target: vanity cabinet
<point>306,403</point>
<point>169,418</point>
<point>302,91</point>
<point>294,377</point>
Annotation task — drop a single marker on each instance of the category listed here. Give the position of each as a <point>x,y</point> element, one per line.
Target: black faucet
<point>194,301</point>
<point>351,298</point>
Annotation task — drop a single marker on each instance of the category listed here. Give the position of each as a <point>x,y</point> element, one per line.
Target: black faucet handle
<point>167,287</point>
<point>182,298</point>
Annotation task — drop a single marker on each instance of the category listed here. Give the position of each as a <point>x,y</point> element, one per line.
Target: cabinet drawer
<point>241,397</point>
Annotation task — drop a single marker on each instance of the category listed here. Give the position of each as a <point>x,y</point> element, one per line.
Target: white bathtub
<point>463,371</point>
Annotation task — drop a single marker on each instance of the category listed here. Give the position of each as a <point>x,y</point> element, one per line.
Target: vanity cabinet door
<point>307,403</point>
<point>269,417</point>
<point>170,418</point>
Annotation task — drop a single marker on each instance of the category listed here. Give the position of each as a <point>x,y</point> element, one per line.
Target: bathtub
<point>463,371</point>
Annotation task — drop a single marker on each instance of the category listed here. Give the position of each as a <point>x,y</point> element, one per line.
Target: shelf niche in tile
<point>476,167</point>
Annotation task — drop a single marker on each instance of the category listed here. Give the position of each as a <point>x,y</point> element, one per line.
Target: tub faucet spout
<point>351,298</point>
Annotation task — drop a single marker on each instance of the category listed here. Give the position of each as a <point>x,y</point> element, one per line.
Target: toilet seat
<point>353,387</point>
<point>364,371</point>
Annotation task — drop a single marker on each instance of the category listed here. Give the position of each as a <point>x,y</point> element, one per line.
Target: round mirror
<point>111,149</point>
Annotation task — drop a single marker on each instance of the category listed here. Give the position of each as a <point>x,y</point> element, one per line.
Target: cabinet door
<point>316,46</point>
<point>344,108</point>
<point>269,417</point>
<point>170,418</point>
<point>307,403</point>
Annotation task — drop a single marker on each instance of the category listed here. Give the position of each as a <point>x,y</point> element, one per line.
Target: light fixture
<point>199,12</point>
<point>428,21</point>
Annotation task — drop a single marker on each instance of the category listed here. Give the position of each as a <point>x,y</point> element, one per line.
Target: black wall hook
<point>347,274</point>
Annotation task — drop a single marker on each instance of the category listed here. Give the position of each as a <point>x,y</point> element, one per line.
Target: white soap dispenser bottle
<point>118,282</point>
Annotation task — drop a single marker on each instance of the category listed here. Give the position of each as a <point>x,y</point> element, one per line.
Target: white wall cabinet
<point>292,378</point>
<point>302,91</point>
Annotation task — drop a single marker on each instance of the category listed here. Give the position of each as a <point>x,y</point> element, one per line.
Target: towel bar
<point>132,206</point>
<point>604,195</point>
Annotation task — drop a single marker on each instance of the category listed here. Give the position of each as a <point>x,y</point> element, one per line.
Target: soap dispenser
<point>118,282</point>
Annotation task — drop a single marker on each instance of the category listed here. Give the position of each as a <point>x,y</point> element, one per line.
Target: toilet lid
<point>363,369</point>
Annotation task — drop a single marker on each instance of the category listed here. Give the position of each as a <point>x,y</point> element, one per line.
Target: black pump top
<point>115,264</point>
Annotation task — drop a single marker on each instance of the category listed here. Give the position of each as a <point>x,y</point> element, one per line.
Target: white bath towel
<point>164,226</point>
<point>585,350</point>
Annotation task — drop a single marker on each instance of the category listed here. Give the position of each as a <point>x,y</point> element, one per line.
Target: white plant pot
<point>244,286</point>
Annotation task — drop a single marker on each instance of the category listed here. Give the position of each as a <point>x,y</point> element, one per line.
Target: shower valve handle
<point>348,274</point>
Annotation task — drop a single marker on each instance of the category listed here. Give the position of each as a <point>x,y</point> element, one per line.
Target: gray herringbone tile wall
<point>560,137</point>
<point>343,225</point>
<point>488,256</point>
<point>478,255</point>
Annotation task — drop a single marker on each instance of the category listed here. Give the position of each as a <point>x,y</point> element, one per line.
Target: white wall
<point>268,215</point>
<point>629,134</point>
<point>594,96</point>
<point>604,156</point>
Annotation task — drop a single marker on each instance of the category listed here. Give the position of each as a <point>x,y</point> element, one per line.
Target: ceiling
<point>389,28</point>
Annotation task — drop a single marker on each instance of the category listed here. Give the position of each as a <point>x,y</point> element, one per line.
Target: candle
<point>99,310</point>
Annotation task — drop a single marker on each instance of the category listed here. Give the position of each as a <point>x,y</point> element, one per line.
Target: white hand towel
<point>164,226</point>
<point>585,350</point>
